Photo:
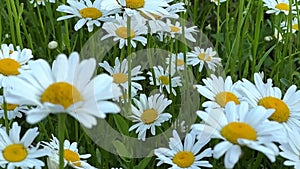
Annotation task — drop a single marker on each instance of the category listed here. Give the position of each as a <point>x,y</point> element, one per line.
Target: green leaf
<point>122,151</point>
<point>145,162</point>
<point>121,124</point>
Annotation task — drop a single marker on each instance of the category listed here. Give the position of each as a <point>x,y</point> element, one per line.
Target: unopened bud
<point>52,45</point>
<point>268,38</point>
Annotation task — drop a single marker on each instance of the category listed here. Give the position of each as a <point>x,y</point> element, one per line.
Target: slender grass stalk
<point>43,28</point>
<point>42,127</point>
<point>255,43</point>
<point>66,35</point>
<point>5,116</point>
<point>290,47</point>
<point>76,129</point>
<point>129,59</point>
<point>228,31</point>
<point>61,138</point>
<point>258,161</point>
<point>18,15</point>
<point>11,22</point>
<point>236,46</point>
<point>218,26</point>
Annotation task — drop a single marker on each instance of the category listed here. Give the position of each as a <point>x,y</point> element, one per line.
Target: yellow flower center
<point>201,56</point>
<point>61,93</point>
<point>283,6</point>
<point>120,78</point>
<point>295,27</point>
<point>236,130</point>
<point>164,80</point>
<point>72,157</point>
<point>122,32</point>
<point>224,97</point>
<point>90,12</point>
<point>282,111</point>
<point>149,116</point>
<point>180,62</point>
<point>9,67</point>
<point>9,106</point>
<point>174,29</point>
<point>184,159</point>
<point>15,153</point>
<point>134,4</point>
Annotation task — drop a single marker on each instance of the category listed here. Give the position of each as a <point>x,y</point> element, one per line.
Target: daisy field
<point>149,84</point>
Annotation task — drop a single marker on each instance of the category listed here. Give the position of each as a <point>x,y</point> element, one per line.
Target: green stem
<point>129,58</point>
<point>218,26</point>
<point>5,116</point>
<point>290,34</point>
<point>259,18</point>
<point>66,35</point>
<point>18,16</point>
<point>258,160</point>
<point>61,138</point>
<point>11,22</point>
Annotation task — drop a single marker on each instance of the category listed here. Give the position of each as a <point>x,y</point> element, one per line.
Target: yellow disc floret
<point>90,12</point>
<point>180,62</point>
<point>283,6</point>
<point>149,116</point>
<point>236,130</point>
<point>9,67</point>
<point>164,80</point>
<point>184,159</point>
<point>9,106</point>
<point>135,4</point>
<point>174,29</point>
<point>72,157</point>
<point>201,56</point>
<point>122,32</point>
<point>282,111</point>
<point>120,78</point>
<point>224,97</point>
<point>295,27</point>
<point>14,153</point>
<point>61,93</point>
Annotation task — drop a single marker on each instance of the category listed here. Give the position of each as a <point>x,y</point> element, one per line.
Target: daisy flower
<point>13,110</point>
<point>118,30</point>
<point>240,126</point>
<point>217,2</point>
<point>16,152</point>
<point>66,88</point>
<point>40,2</point>
<point>162,79</point>
<point>284,25</point>
<point>177,60</point>
<point>218,91</point>
<point>156,22</point>
<point>11,61</point>
<point>89,13</point>
<point>277,6</point>
<point>132,7</point>
<point>291,150</point>
<point>287,109</point>
<point>120,74</point>
<point>203,57</point>
<point>177,30</point>
<point>149,113</point>
<point>71,155</point>
<point>184,156</point>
